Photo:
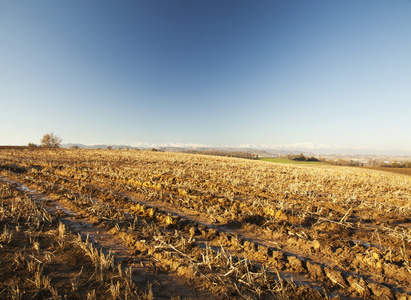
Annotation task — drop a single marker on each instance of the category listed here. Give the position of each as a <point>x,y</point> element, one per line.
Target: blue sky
<point>207,72</point>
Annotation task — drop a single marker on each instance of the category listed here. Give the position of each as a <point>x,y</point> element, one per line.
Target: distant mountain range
<point>260,150</point>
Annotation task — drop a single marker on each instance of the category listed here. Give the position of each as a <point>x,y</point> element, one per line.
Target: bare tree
<point>51,140</point>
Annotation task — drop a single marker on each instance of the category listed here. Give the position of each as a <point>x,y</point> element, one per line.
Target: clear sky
<point>227,72</point>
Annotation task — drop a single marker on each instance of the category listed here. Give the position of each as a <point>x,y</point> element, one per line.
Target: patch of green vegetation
<point>289,161</point>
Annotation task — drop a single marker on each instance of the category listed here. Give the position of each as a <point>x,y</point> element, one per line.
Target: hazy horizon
<point>322,73</point>
<point>308,148</point>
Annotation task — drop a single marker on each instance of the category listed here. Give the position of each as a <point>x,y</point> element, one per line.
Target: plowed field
<point>129,224</point>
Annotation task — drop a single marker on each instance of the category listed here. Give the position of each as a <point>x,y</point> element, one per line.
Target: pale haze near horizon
<point>229,73</point>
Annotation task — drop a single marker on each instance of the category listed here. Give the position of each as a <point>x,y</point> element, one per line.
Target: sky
<point>228,72</point>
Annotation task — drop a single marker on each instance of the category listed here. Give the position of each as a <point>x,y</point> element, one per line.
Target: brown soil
<point>404,171</point>
<point>198,227</point>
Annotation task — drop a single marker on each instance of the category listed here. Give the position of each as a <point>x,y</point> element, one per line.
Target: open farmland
<point>137,224</point>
